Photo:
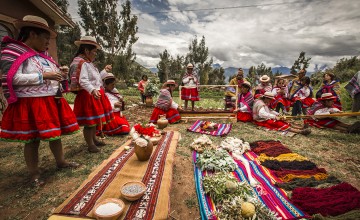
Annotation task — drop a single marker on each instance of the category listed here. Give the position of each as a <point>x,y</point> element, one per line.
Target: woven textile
<point>121,167</point>
<point>272,197</point>
<point>222,130</point>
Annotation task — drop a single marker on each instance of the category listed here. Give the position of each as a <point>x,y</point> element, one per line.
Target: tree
<point>115,32</point>
<point>216,76</point>
<point>164,66</point>
<point>252,77</point>
<point>301,63</point>
<point>198,55</point>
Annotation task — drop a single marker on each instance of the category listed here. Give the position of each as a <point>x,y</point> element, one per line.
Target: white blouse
<point>90,77</point>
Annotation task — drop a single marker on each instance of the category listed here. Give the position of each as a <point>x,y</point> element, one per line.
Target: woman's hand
<point>53,76</point>
<point>117,104</point>
<point>96,94</point>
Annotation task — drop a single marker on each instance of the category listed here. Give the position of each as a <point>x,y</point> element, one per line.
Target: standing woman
<point>91,107</point>
<point>330,85</point>
<point>191,91</point>
<point>31,81</point>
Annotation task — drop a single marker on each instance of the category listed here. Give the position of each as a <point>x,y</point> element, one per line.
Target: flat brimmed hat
<point>170,82</point>
<point>87,40</point>
<point>34,21</point>
<point>264,78</point>
<point>107,76</point>
<point>247,84</point>
<point>189,66</point>
<point>327,96</point>
<point>268,95</point>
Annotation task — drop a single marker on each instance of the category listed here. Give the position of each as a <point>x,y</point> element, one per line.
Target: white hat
<point>87,40</point>
<point>189,66</point>
<point>327,96</point>
<point>34,21</point>
<point>268,95</point>
<point>264,78</point>
<point>107,76</point>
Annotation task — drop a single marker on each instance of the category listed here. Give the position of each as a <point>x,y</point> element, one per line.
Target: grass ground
<point>338,153</point>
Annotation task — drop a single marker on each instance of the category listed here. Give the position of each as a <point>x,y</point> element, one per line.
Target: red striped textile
<point>117,126</point>
<point>222,130</point>
<point>274,124</point>
<point>190,94</point>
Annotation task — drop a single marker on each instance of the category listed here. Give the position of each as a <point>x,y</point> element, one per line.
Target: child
<point>165,104</point>
<point>265,117</point>
<point>91,105</point>
<point>325,105</point>
<point>302,97</point>
<point>281,101</point>
<point>119,125</point>
<point>191,91</point>
<point>246,101</point>
<point>330,85</point>
<point>141,87</point>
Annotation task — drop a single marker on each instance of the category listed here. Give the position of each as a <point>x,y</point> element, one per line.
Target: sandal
<point>37,182</point>
<point>68,165</point>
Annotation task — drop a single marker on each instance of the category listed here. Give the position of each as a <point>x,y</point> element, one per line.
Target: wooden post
<point>237,97</point>
<point>180,104</point>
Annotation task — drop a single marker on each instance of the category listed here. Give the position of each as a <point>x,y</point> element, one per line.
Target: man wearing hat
<point>231,90</point>
<point>264,86</point>
<point>325,105</point>
<point>246,101</point>
<point>270,119</point>
<point>165,105</point>
<point>30,83</point>
<point>119,125</point>
<point>190,91</point>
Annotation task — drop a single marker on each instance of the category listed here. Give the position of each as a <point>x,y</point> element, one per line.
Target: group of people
<point>269,105</point>
<point>33,84</point>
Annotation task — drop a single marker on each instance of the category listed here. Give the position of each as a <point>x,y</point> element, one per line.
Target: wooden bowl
<point>109,209</point>
<point>135,196</point>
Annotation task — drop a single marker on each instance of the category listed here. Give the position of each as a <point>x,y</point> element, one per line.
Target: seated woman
<point>281,97</point>
<point>264,86</point>
<point>165,104</point>
<point>330,85</point>
<point>246,101</point>
<point>302,98</point>
<point>119,125</point>
<point>325,105</point>
<point>265,117</point>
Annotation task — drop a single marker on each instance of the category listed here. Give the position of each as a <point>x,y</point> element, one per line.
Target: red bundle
<point>148,131</point>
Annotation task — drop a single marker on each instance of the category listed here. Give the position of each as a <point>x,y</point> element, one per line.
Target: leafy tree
<point>176,68</point>
<point>164,66</point>
<point>198,55</point>
<point>115,32</point>
<point>217,77</point>
<point>66,48</point>
<point>62,4</point>
<point>252,76</point>
<point>301,63</point>
<point>346,68</point>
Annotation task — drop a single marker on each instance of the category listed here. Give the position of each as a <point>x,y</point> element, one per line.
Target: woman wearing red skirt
<point>91,107</point>
<point>31,83</point>
<point>190,92</point>
<point>165,104</point>
<point>119,125</point>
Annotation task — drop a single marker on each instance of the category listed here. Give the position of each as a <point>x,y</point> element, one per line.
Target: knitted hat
<point>264,78</point>
<point>35,21</point>
<point>87,40</point>
<point>327,96</point>
<point>107,76</point>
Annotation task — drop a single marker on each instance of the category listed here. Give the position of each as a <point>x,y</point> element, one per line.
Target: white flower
<point>141,142</point>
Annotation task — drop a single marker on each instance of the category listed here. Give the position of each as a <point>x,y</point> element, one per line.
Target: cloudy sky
<point>242,33</point>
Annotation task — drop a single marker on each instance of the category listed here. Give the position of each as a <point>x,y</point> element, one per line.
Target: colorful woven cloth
<point>222,130</point>
<point>272,197</point>
<point>331,201</point>
<point>121,167</point>
<point>269,148</point>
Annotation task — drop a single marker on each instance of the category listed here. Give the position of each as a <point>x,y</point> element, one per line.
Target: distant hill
<point>154,70</point>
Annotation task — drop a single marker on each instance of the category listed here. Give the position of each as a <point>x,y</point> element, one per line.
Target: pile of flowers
<point>142,134</point>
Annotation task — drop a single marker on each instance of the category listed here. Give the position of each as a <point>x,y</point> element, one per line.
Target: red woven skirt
<point>244,116</point>
<point>172,115</point>
<point>274,124</point>
<point>322,123</point>
<point>190,94</point>
<point>90,111</point>
<point>117,126</point>
<point>279,99</point>
<point>37,118</point>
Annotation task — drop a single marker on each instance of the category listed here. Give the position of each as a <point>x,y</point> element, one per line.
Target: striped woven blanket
<point>222,129</point>
<point>272,197</point>
<point>121,167</point>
